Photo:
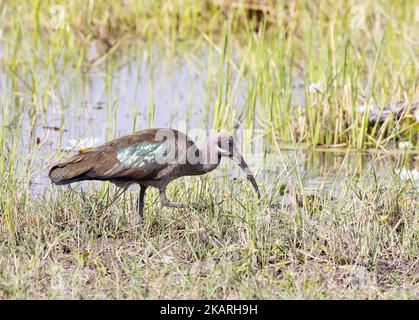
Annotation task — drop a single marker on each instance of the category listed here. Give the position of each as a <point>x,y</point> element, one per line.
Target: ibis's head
<point>226,147</point>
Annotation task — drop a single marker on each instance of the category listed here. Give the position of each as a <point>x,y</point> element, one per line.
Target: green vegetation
<point>355,239</point>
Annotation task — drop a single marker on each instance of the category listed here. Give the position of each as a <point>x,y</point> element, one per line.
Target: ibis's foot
<point>171,204</point>
<point>198,206</point>
<point>167,203</point>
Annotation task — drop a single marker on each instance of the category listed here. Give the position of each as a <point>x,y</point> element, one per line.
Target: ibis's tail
<point>73,169</point>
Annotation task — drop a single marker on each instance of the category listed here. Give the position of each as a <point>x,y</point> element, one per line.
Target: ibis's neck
<point>209,157</point>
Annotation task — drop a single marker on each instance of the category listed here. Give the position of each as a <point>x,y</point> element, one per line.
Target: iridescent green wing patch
<point>146,155</point>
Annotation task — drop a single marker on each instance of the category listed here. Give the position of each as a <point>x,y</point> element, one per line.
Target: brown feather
<point>72,169</point>
<point>101,163</point>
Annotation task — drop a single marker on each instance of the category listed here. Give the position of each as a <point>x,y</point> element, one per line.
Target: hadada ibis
<point>151,157</point>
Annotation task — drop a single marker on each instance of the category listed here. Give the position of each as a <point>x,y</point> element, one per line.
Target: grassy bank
<point>363,244</point>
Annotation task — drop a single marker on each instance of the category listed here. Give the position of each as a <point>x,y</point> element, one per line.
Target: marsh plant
<point>322,96</point>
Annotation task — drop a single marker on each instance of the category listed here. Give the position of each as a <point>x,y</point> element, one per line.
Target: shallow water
<point>102,104</point>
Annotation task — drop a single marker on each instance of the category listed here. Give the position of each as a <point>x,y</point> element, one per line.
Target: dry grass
<point>361,245</point>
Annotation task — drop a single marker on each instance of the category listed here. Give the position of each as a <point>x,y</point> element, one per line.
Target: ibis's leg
<point>140,203</point>
<point>167,203</point>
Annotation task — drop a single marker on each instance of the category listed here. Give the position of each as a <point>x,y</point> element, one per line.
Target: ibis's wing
<point>135,157</point>
<point>147,135</point>
<point>141,160</point>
